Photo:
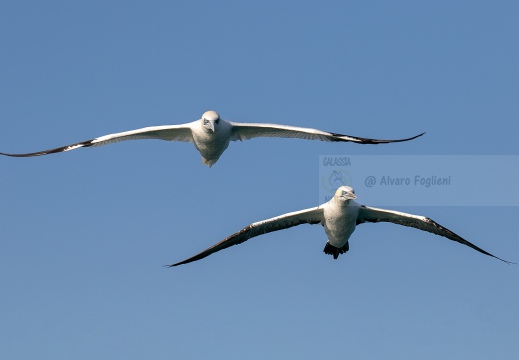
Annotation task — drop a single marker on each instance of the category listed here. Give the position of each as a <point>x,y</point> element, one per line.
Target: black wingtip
<point>19,155</point>
<point>361,140</point>
<point>53,151</point>
<point>173,265</point>
<point>505,261</point>
<point>411,138</point>
<point>194,258</point>
<point>419,135</point>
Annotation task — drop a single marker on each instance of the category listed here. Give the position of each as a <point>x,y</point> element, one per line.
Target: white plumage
<point>339,217</point>
<point>211,135</point>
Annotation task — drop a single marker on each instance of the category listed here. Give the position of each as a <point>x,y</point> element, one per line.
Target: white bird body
<point>211,136</point>
<point>339,221</point>
<point>339,217</point>
<point>211,143</point>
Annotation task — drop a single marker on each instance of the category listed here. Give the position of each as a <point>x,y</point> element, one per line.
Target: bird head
<point>210,120</point>
<point>345,193</point>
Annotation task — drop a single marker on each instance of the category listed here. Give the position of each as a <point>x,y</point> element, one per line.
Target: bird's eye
<point>217,121</point>
<point>206,121</point>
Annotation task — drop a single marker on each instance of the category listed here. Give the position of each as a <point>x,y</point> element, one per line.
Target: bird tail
<point>335,251</point>
<point>209,162</point>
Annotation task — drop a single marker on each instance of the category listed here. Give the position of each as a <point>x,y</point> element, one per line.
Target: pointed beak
<point>350,196</point>
<point>211,126</point>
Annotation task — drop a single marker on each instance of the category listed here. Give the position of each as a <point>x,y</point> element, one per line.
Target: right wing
<point>371,214</point>
<point>165,132</point>
<point>307,216</point>
<point>247,131</point>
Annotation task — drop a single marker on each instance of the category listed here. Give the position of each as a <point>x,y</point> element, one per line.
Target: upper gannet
<point>211,136</point>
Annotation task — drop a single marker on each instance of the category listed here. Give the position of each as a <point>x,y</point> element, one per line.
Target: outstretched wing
<point>245,131</point>
<point>166,132</point>
<point>370,214</point>
<point>307,216</point>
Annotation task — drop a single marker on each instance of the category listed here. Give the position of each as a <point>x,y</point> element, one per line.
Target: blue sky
<point>84,234</point>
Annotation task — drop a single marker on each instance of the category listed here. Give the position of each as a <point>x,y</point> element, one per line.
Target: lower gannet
<point>339,217</point>
<point>211,135</point>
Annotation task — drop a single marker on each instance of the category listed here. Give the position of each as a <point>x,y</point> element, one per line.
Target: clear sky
<point>84,235</point>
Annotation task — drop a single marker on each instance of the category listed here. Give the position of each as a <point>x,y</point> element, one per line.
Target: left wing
<point>164,132</point>
<point>246,131</point>
<point>370,214</point>
<point>307,216</point>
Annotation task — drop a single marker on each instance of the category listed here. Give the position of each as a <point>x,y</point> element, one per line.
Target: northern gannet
<point>211,136</point>
<point>339,216</point>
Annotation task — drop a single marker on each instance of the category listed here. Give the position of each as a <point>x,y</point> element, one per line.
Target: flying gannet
<point>211,136</point>
<point>339,216</point>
